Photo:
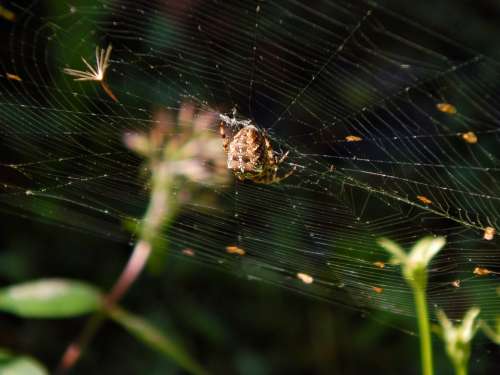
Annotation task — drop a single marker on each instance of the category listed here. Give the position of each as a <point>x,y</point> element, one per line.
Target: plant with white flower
<point>414,268</point>
<point>458,338</point>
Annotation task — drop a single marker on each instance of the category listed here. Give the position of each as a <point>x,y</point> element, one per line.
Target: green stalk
<point>424,329</point>
<point>414,266</point>
<point>460,369</point>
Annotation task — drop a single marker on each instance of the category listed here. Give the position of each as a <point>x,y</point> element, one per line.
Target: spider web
<point>352,90</point>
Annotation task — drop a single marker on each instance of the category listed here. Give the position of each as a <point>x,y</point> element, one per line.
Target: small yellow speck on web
<point>377,289</point>
<point>489,233</point>
<point>456,283</point>
<point>13,77</point>
<point>447,108</point>
<point>480,271</point>
<point>305,278</point>
<point>188,252</point>
<point>235,250</point>
<point>424,199</point>
<point>469,137</point>
<point>379,264</point>
<point>353,138</point>
<point>7,14</point>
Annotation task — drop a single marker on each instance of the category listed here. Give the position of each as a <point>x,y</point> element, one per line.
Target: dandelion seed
<point>379,264</point>
<point>469,137</point>
<point>13,77</point>
<point>489,233</point>
<point>424,199</point>
<point>98,74</point>
<point>235,250</point>
<point>447,108</point>
<point>305,278</point>
<point>353,138</point>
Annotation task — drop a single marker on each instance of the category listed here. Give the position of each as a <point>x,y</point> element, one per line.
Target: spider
<point>249,153</point>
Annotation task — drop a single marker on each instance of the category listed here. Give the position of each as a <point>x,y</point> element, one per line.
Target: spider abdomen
<point>250,155</point>
<point>246,154</point>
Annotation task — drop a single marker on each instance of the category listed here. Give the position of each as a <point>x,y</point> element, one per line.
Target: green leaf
<point>152,337</point>
<point>19,365</point>
<point>50,298</point>
<point>458,338</point>
<point>492,333</point>
<point>425,249</point>
<point>398,254</point>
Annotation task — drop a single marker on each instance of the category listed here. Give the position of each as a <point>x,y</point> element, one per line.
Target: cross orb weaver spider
<point>250,155</point>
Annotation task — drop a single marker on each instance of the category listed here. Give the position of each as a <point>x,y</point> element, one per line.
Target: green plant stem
<point>134,266</point>
<point>157,214</point>
<point>460,369</point>
<point>424,330</point>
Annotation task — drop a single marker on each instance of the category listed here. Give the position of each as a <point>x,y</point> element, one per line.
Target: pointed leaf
<point>425,249</point>
<point>50,298</point>
<point>493,334</point>
<point>446,324</point>
<point>152,337</point>
<point>469,325</point>
<point>398,254</point>
<point>435,245</point>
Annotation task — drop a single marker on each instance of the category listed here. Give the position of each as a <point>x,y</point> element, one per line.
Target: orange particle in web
<point>469,137</point>
<point>13,77</point>
<point>305,278</point>
<point>188,252</point>
<point>353,138</point>
<point>489,233</point>
<point>424,199</point>
<point>235,250</point>
<point>377,289</point>
<point>379,264</point>
<point>447,108</point>
<point>456,283</point>
<point>482,271</point>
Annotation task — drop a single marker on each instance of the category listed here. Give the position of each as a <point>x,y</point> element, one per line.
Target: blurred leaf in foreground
<point>19,365</point>
<point>151,336</point>
<point>50,298</point>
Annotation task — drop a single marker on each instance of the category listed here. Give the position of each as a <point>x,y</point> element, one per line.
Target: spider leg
<point>269,150</point>
<point>283,157</point>
<point>222,132</point>
<point>277,179</point>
